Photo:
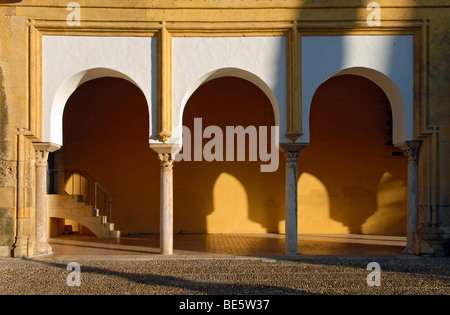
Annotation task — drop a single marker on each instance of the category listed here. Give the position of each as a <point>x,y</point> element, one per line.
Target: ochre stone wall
<point>22,23</point>
<point>16,152</point>
<point>349,181</point>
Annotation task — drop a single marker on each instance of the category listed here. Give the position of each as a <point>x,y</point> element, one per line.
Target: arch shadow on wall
<point>351,177</point>
<point>383,185</point>
<point>203,191</point>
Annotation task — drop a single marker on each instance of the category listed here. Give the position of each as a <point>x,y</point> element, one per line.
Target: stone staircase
<point>74,208</point>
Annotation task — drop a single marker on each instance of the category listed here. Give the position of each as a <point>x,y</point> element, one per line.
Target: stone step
<point>74,208</point>
<point>114,234</point>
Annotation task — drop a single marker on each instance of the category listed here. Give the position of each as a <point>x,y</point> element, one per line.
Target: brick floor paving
<point>218,244</point>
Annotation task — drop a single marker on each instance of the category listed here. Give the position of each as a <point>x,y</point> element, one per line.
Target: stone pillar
<point>411,150</point>
<point>166,207</point>
<point>292,151</point>
<point>166,153</point>
<point>42,247</point>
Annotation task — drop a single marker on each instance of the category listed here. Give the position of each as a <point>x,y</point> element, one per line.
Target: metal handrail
<point>98,188</point>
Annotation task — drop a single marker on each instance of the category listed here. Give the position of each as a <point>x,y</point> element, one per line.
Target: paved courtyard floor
<point>217,268</point>
<point>227,245</point>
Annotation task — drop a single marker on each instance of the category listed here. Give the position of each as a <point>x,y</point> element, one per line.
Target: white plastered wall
<point>69,61</point>
<point>260,60</point>
<point>386,60</point>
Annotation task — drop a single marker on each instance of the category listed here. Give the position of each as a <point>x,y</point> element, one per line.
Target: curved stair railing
<point>79,183</point>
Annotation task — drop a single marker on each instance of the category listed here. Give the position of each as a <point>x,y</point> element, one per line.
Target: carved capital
<point>167,160</point>
<point>410,150</point>
<point>292,151</point>
<point>292,157</point>
<point>41,158</point>
<point>412,154</point>
<point>42,151</point>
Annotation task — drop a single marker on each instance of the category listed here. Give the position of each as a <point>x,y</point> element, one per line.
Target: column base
<point>291,245</point>
<point>432,241</point>
<point>20,248</point>
<point>41,248</point>
<point>166,252</point>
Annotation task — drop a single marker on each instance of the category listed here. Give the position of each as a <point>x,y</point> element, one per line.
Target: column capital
<point>410,150</point>
<point>292,151</point>
<point>41,158</point>
<point>167,160</point>
<point>292,157</point>
<point>42,151</point>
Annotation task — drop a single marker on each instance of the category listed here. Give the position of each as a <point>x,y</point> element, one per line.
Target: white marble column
<point>166,153</point>
<point>292,151</point>
<point>411,150</point>
<point>42,247</point>
<point>166,206</point>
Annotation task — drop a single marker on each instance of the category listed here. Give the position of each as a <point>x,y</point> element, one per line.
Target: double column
<point>292,152</point>
<point>42,247</point>
<point>411,151</point>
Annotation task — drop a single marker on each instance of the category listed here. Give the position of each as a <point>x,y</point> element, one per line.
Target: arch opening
<point>105,128</point>
<point>402,124</point>
<point>202,186</point>
<point>227,72</point>
<point>53,125</point>
<point>350,154</point>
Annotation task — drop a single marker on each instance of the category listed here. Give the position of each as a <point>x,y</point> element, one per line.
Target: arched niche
<point>55,121</point>
<point>70,61</point>
<point>392,92</point>
<point>386,60</point>
<point>227,72</point>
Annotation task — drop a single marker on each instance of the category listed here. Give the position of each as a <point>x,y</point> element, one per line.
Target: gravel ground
<point>330,276</point>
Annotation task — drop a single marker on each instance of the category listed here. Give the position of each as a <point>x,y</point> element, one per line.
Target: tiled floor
<point>227,244</point>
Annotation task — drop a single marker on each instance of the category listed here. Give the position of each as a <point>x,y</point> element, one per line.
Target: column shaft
<point>412,207</point>
<point>42,246</point>
<point>292,151</point>
<point>166,215</point>
<point>411,151</point>
<point>291,203</point>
